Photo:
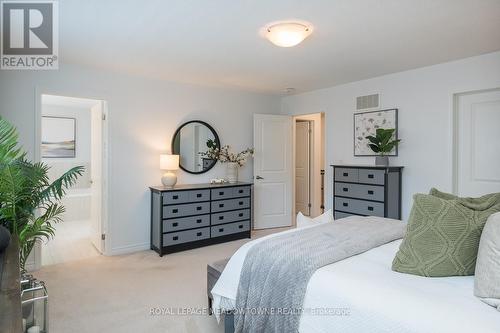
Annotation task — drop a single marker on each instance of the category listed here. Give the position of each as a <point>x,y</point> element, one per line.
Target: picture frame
<point>366,123</point>
<point>58,137</point>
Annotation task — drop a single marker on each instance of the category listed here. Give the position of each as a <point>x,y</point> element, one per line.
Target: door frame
<point>314,178</point>
<point>310,162</point>
<point>105,160</point>
<point>455,130</point>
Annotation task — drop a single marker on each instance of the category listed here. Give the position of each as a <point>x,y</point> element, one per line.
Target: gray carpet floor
<point>119,293</point>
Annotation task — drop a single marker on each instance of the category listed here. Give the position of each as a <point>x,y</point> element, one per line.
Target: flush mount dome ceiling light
<point>287,34</point>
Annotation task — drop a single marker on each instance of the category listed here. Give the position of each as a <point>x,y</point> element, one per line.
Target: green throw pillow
<point>470,202</point>
<point>443,234</point>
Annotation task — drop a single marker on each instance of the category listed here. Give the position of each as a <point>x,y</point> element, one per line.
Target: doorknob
<point>258,177</point>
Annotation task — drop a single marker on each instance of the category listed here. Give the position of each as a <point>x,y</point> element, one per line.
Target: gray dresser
<point>367,191</point>
<point>190,216</point>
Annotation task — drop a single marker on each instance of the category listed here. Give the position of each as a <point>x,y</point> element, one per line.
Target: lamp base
<point>169,179</point>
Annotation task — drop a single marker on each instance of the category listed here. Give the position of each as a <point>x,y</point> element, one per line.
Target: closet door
<point>477,139</point>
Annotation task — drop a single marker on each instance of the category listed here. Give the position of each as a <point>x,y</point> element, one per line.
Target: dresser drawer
<point>231,228</point>
<point>186,236</point>
<point>341,215</point>
<point>233,204</point>
<point>172,198</point>
<point>226,217</point>
<point>186,210</point>
<point>199,195</point>
<point>360,207</point>
<point>184,223</point>
<point>177,197</point>
<point>241,191</point>
<point>368,176</point>
<point>360,191</point>
<point>346,175</point>
<point>222,193</point>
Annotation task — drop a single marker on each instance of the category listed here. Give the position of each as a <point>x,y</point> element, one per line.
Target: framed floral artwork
<point>366,124</point>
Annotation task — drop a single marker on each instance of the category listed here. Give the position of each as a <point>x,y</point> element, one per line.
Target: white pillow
<point>487,276</point>
<point>305,221</point>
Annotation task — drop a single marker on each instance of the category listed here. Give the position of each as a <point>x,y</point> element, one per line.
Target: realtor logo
<point>29,34</point>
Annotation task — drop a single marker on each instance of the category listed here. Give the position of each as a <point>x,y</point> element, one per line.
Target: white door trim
<point>310,157</point>
<point>105,163</point>
<point>317,158</point>
<point>455,129</point>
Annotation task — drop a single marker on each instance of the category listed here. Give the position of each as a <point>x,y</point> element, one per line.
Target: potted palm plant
<point>30,204</point>
<point>382,144</point>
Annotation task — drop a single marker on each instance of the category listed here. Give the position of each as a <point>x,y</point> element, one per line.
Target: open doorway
<point>309,162</point>
<point>72,134</point>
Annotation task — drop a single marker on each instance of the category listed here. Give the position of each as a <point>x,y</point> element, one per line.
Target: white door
<point>478,144</point>
<point>272,171</point>
<point>96,141</point>
<point>302,167</point>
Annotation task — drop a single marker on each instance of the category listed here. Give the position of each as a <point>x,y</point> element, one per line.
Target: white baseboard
<point>128,249</point>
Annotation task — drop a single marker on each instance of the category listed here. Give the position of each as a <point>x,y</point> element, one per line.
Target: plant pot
<point>382,160</point>
<point>232,172</point>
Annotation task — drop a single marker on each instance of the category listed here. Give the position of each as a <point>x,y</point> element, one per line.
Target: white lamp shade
<point>287,34</point>
<point>169,162</point>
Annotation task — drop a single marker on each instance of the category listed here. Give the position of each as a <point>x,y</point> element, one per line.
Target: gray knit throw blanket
<point>276,271</point>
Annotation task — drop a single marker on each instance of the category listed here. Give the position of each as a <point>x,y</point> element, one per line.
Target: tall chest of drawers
<point>191,216</point>
<point>367,191</point>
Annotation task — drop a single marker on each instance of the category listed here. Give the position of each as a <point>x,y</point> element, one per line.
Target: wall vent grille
<point>367,102</point>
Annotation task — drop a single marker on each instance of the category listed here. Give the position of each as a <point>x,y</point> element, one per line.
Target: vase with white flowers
<point>234,161</point>
<point>224,155</point>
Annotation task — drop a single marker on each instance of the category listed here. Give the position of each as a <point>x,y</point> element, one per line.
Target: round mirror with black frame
<point>193,141</point>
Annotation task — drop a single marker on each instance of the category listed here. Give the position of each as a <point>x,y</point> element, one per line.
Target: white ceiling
<point>217,42</point>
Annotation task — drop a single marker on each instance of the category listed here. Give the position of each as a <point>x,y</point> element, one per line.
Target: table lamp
<point>169,163</point>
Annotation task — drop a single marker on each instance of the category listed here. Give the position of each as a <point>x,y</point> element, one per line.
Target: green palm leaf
<point>29,201</point>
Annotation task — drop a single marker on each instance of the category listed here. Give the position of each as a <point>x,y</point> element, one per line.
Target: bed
<point>363,294</point>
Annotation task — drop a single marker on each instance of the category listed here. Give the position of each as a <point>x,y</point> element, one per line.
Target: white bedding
<point>376,298</point>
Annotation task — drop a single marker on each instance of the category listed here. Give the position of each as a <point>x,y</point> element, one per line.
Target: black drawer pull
<point>370,192</point>
<point>175,197</point>
<point>221,217</point>
<point>345,204</point>
<point>370,176</point>
<point>240,214</point>
<point>345,189</point>
<point>175,224</point>
<point>198,195</point>
<point>221,205</point>
<point>175,238</point>
<point>175,210</point>
<point>198,221</point>
<point>241,203</point>
<point>370,208</point>
<point>199,234</point>
<point>221,193</point>
<point>240,226</point>
<point>345,174</point>
<point>240,191</point>
<point>221,229</point>
<point>199,208</point>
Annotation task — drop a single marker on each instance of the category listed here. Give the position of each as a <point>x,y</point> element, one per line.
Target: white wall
<point>143,115</point>
<point>425,100</point>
